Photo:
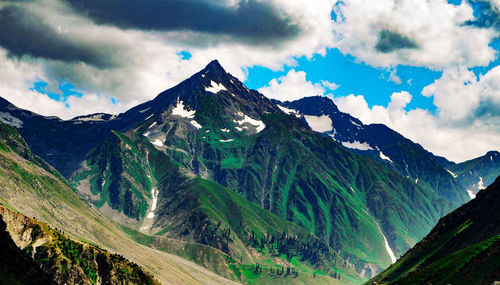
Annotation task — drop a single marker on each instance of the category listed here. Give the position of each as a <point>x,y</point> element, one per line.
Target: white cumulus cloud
<point>292,86</point>
<point>428,33</point>
<point>457,142</point>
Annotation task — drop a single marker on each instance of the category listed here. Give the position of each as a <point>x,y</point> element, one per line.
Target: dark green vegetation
<point>192,209</point>
<point>254,153</point>
<point>463,248</point>
<point>69,261</point>
<point>406,157</point>
<point>219,175</point>
<point>27,187</point>
<point>17,267</point>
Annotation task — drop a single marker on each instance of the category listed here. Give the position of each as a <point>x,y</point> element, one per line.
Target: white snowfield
<point>319,124</point>
<point>224,141</point>
<point>215,88</point>
<point>179,110</point>
<point>259,125</point>
<point>357,145</point>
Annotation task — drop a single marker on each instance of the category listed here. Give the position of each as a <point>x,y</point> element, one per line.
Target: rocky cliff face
<point>67,261</point>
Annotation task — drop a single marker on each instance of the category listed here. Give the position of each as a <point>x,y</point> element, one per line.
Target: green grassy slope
<point>463,248</point>
<point>191,209</point>
<point>29,187</point>
<point>310,180</point>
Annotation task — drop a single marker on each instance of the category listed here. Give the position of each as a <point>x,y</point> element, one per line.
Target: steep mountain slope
<point>380,143</point>
<point>16,266</point>
<point>63,144</point>
<point>66,260</point>
<point>192,209</point>
<point>463,248</point>
<point>476,173</point>
<point>30,186</point>
<point>213,127</point>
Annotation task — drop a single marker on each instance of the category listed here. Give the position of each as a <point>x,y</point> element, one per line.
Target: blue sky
<point>355,77</point>
<point>428,69</point>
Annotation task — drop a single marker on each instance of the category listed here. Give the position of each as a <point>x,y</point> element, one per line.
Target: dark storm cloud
<point>251,21</point>
<point>23,33</point>
<point>391,41</point>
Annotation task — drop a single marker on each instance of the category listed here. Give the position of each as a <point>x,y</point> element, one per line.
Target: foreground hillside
<point>67,261</point>
<point>253,246</point>
<point>463,248</point>
<point>30,186</point>
<point>17,267</point>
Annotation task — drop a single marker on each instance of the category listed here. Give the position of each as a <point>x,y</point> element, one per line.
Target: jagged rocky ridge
<point>67,261</point>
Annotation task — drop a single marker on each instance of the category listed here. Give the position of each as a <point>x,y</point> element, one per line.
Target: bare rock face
<point>67,261</point>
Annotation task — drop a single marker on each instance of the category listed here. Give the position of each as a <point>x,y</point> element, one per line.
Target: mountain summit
<point>205,160</point>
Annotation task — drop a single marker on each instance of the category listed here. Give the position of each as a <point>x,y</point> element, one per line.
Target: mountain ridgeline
<point>381,144</point>
<point>267,191</point>
<point>463,248</point>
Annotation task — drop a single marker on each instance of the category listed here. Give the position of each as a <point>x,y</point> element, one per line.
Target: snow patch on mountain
<point>289,111</point>
<point>179,110</point>
<point>151,213</point>
<point>319,123</point>
<point>471,194</point>
<point>10,120</point>
<point>357,145</point>
<point>383,156</point>
<point>157,142</point>
<point>149,117</point>
<point>259,125</point>
<point>480,184</point>
<point>95,118</point>
<point>215,88</point>
<point>386,243</point>
<point>224,141</point>
<point>196,124</point>
<point>452,174</point>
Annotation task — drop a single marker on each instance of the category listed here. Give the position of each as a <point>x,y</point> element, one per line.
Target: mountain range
<point>251,189</point>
